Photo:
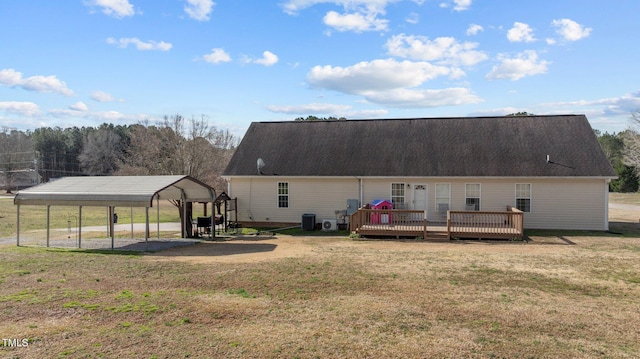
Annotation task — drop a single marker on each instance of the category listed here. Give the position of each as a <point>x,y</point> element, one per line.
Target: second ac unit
<point>329,225</point>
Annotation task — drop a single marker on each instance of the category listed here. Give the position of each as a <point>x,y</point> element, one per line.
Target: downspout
<point>361,191</point>
<point>606,204</point>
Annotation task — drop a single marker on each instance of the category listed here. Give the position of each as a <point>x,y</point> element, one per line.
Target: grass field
<point>560,295</point>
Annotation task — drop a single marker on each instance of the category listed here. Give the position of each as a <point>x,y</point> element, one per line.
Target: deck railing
<point>479,224</point>
<point>507,224</point>
<point>388,221</point>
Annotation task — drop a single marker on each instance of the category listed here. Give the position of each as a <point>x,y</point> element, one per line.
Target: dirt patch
<point>244,250</point>
<point>254,249</point>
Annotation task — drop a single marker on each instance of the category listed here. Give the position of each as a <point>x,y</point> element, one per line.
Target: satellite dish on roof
<point>260,164</point>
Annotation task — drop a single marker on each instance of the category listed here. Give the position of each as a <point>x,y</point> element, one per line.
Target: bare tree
<point>631,138</point>
<point>101,152</point>
<point>179,146</point>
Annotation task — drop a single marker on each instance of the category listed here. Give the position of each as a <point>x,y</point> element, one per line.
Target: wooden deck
<point>460,224</point>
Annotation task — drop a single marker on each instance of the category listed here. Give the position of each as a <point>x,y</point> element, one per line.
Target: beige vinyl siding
<point>564,203</point>
<point>555,203</point>
<point>578,204</point>
<point>258,198</point>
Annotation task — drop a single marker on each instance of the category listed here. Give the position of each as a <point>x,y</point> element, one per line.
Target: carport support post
<point>111,227</point>
<point>184,215</point>
<point>48,222</point>
<point>157,214</point>
<point>146,228</point>
<point>131,222</point>
<point>18,226</point>
<point>80,227</point>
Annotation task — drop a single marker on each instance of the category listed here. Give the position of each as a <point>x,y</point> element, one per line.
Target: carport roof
<point>120,191</point>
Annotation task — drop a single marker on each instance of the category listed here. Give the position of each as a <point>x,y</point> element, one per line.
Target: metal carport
<point>113,191</point>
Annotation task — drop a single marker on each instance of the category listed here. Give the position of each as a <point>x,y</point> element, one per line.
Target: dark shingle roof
<point>475,147</point>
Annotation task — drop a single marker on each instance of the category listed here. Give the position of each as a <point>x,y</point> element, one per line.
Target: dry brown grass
<point>560,295</point>
<point>329,297</point>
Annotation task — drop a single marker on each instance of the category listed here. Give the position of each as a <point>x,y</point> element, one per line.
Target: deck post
<point>425,225</point>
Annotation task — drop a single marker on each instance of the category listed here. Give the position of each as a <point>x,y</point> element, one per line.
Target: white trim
<point>404,192</point>
<point>479,194</point>
<point>426,198</point>
<point>515,199</point>
<point>278,194</point>
<point>435,193</point>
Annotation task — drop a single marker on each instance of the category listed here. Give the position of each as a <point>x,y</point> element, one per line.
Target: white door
<point>420,198</point>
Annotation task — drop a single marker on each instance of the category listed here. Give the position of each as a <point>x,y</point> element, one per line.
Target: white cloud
<point>139,44</point>
<point>22,108</point>
<point>98,116</point>
<point>445,50</point>
<point>525,64</point>
<point>520,32</point>
<point>461,5</point>
<point>313,108</point>
<point>366,113</point>
<point>474,29</point>
<point>13,78</point>
<point>377,75</point>
<point>199,9</point>
<point>413,18</point>
<point>571,30</point>
<point>268,59</point>
<point>292,7</point>
<point>358,15</point>
<point>499,112</point>
<point>217,56</point>
<point>101,96</point>
<point>420,98</point>
<point>115,8</point>
<point>623,105</point>
<point>79,106</point>
<point>357,22</point>
<point>458,5</point>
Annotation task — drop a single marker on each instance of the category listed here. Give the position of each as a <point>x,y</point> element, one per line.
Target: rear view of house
<point>550,167</point>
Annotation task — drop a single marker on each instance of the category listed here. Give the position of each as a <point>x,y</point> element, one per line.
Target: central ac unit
<point>329,225</point>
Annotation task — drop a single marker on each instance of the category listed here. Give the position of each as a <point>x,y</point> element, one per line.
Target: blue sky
<point>85,62</point>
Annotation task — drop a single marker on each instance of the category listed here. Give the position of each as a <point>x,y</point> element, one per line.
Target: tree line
<point>172,146</point>
<point>176,145</point>
<point>623,151</point>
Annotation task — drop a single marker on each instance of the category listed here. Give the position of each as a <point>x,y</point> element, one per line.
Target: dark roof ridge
<point>423,118</point>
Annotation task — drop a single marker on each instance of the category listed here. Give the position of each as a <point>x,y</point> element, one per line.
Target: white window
<point>397,195</point>
<point>523,197</point>
<point>283,195</point>
<point>472,197</point>
<point>443,195</point>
